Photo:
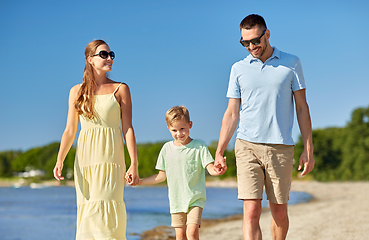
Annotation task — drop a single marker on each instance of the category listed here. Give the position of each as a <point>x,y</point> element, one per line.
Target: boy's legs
<point>187,225</point>
<point>179,223</point>
<point>189,232</point>
<point>180,233</point>
<point>193,223</point>
<point>192,232</point>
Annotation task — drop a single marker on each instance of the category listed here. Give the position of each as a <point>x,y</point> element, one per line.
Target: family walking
<point>263,89</point>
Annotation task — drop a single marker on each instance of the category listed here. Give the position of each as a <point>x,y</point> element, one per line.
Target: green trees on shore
<point>40,158</point>
<point>44,158</point>
<point>340,154</point>
<point>6,159</point>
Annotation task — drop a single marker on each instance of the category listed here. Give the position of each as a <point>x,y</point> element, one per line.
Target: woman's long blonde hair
<point>85,98</point>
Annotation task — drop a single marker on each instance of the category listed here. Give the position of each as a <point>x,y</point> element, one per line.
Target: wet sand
<point>339,210</point>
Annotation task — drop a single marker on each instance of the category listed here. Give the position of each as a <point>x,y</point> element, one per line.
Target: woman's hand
<point>57,171</point>
<point>132,177</point>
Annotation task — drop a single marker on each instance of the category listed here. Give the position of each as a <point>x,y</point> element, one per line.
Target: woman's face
<point>98,63</point>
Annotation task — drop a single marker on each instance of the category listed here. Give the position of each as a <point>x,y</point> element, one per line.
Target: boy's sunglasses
<point>255,41</point>
<point>105,54</point>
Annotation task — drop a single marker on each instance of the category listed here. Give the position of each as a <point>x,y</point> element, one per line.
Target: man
<point>261,91</point>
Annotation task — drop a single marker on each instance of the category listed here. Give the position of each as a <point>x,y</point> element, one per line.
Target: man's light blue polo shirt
<point>266,92</point>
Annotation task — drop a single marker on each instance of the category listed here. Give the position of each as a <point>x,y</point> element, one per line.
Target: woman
<point>103,106</point>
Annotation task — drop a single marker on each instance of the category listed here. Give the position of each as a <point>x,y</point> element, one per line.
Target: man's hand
<point>220,165</point>
<point>306,159</point>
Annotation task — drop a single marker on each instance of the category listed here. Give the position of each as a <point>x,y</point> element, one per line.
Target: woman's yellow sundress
<point>99,173</point>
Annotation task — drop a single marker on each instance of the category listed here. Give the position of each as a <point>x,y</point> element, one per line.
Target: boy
<point>183,163</point>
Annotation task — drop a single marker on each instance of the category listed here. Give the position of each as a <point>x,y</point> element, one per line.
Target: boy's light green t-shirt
<point>185,170</point>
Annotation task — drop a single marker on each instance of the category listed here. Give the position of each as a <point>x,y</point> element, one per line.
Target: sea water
<point>50,212</point>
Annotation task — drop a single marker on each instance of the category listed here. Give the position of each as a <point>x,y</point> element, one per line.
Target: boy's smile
<point>180,131</point>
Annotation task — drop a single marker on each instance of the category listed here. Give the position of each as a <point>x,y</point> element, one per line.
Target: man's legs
<point>250,179</point>
<point>278,183</point>
<point>251,216</point>
<point>280,221</point>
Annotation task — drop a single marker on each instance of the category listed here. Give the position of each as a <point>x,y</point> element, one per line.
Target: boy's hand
<point>212,170</point>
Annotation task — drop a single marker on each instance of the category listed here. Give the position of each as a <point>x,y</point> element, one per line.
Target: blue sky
<point>171,53</point>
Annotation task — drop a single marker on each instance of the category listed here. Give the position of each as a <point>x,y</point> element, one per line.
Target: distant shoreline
<point>19,183</point>
<point>10,182</point>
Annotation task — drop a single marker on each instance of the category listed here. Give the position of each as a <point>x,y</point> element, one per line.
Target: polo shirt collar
<point>276,54</point>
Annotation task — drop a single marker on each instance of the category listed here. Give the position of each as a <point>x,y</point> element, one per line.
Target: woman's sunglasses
<point>255,41</point>
<point>105,54</point>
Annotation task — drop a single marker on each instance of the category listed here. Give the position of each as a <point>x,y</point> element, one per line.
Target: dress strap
<point>117,88</point>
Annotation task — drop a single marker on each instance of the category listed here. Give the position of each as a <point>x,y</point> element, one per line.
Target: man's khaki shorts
<point>183,219</point>
<point>260,164</point>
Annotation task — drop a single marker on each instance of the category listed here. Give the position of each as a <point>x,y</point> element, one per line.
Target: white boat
<point>17,185</point>
<point>37,185</point>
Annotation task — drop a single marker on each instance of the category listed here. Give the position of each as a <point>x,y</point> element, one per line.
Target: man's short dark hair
<point>253,20</point>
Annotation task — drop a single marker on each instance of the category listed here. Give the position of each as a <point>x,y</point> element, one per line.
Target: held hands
<point>220,165</point>
<point>132,177</point>
<point>308,160</point>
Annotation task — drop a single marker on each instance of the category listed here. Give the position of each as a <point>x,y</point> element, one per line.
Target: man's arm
<point>303,118</point>
<point>229,124</point>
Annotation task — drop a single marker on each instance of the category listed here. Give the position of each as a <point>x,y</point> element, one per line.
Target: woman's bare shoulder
<point>76,87</point>
<point>123,88</point>
<point>123,93</point>
<point>74,90</point>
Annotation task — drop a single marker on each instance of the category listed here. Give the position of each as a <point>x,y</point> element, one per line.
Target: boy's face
<point>180,131</point>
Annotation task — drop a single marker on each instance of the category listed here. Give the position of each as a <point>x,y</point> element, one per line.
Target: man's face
<point>257,51</point>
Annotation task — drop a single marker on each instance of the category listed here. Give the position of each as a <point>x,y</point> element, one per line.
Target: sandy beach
<point>339,210</point>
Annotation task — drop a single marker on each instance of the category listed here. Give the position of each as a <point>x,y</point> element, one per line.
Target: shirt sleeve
<point>233,85</point>
<point>206,157</point>
<point>298,79</point>
<point>160,163</point>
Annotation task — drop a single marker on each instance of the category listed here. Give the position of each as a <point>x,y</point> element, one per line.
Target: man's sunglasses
<point>255,41</point>
<point>105,54</point>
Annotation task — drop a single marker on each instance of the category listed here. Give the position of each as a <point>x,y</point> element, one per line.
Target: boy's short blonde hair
<point>177,113</point>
